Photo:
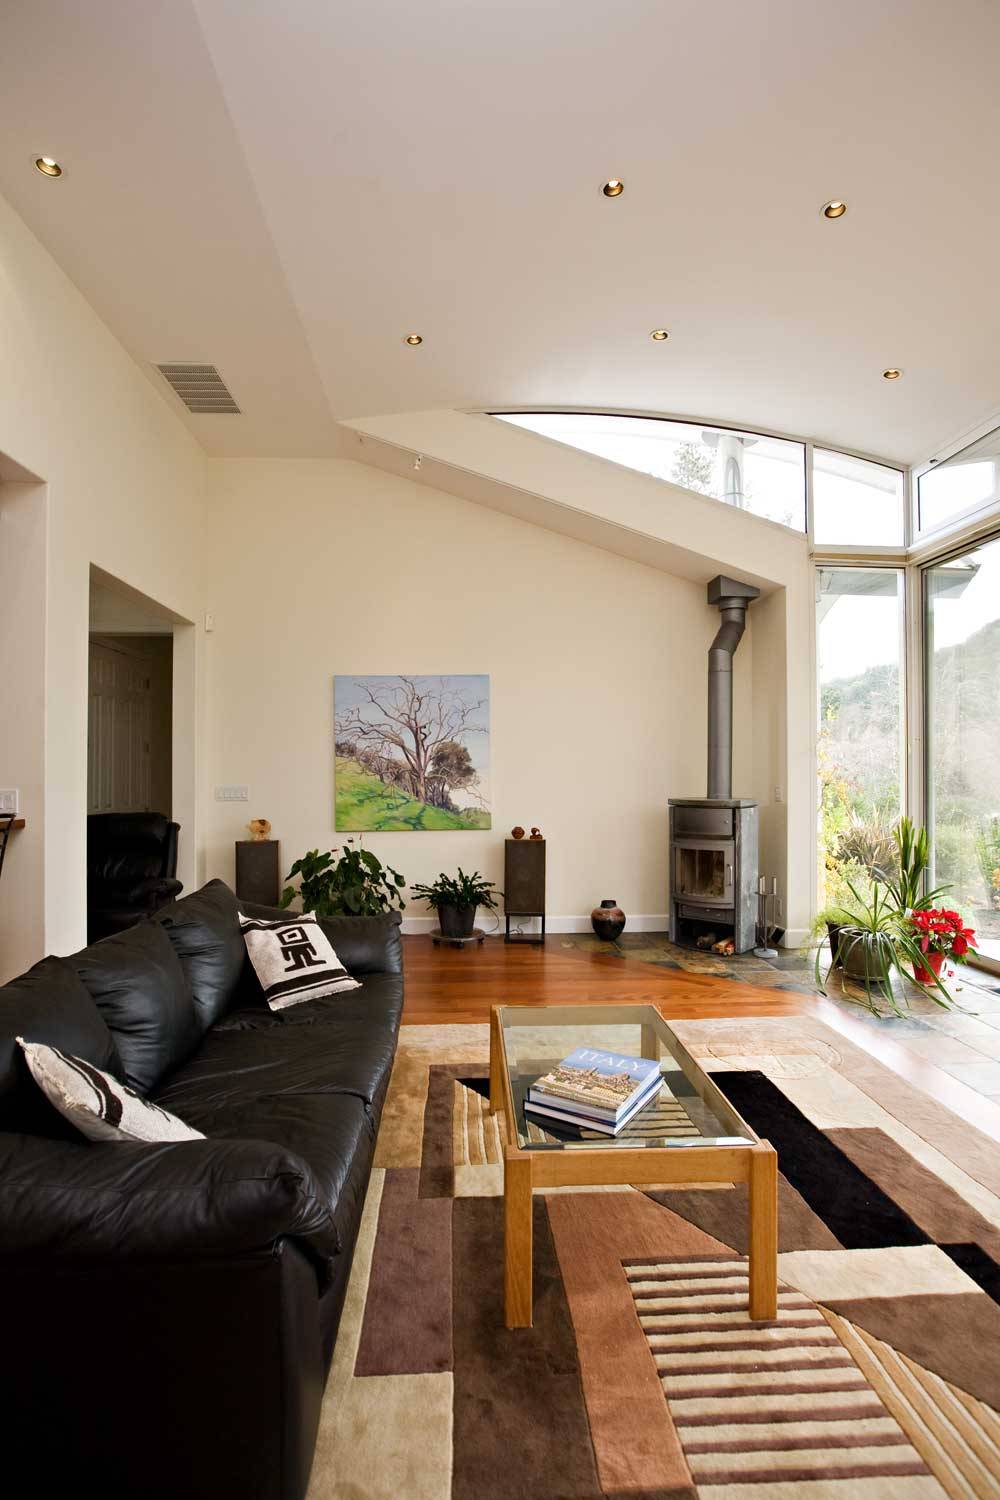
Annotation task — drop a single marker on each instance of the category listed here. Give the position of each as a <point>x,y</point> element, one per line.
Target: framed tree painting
<point>411,753</point>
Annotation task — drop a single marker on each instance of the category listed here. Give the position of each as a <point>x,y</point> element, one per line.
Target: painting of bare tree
<point>412,753</point>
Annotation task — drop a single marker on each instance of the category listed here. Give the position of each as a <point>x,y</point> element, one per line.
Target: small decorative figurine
<point>536,833</point>
<point>259,829</point>
<point>517,833</point>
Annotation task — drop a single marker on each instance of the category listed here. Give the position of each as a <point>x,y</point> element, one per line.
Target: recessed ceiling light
<point>892,374</point>
<point>613,188</point>
<point>413,339</point>
<point>658,335</point>
<point>835,209</point>
<point>48,166</point>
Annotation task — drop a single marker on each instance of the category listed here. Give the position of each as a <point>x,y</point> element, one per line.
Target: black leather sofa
<point>170,1311</point>
<point>131,869</point>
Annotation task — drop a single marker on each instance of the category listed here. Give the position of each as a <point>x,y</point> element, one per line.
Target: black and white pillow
<point>294,960</point>
<point>96,1103</point>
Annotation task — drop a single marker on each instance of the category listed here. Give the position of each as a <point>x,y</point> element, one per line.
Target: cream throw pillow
<point>96,1103</point>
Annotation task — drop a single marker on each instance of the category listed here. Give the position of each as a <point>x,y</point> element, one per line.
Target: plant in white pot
<point>456,901</point>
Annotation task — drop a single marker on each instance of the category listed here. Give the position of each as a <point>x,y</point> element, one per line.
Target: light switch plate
<point>232,794</point>
<point>9,801</point>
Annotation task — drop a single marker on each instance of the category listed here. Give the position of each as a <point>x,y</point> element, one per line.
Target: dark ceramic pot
<point>864,956</point>
<point>457,921</point>
<point>608,921</point>
<point>833,928</point>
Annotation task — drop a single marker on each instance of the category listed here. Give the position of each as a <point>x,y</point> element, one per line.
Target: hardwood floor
<point>450,985</point>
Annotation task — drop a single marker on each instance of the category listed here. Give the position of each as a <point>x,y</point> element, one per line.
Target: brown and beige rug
<point>643,1378</point>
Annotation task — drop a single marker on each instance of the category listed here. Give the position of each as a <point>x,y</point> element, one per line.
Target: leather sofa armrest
<point>154,889</point>
<point>126,1200</point>
<point>364,945</point>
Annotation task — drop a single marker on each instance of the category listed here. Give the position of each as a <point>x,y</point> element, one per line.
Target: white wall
<point>690,535</point>
<point>125,490</point>
<point>23,551</point>
<point>597,666</point>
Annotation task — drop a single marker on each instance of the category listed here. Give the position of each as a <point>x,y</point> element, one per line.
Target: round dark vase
<point>608,921</point>
<point>457,921</point>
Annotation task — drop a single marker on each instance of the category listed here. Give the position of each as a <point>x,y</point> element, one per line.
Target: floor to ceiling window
<point>860,764</point>
<point>962,625</point>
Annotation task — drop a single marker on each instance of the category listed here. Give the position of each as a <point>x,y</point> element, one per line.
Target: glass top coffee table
<point>690,1133</point>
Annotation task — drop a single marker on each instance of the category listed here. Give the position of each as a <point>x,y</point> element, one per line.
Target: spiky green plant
<point>878,932</point>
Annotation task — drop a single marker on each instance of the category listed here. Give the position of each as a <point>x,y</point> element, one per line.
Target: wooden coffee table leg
<point>763,1232</point>
<point>496,1064</point>
<point>517,1239</point>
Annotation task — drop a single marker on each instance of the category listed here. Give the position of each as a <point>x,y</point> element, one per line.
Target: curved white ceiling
<point>285,191</point>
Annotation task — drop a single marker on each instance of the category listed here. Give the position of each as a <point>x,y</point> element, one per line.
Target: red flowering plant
<point>940,935</point>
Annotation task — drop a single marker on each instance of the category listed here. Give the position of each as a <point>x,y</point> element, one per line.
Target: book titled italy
<point>597,1084</point>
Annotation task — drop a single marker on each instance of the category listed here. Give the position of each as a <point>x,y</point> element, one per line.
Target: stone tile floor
<point>964,1041</point>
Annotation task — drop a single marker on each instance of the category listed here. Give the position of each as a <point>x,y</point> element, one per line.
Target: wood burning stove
<point>713,871</point>
<point>713,839</point>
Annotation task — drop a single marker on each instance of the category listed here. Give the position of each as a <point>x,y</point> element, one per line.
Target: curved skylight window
<point>855,502</point>
<point>763,475</point>
<point>966,482</point>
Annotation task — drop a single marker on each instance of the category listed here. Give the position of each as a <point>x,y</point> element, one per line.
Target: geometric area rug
<point>642,1377</point>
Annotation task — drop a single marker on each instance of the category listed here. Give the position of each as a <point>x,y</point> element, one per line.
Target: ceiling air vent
<point>200,387</point>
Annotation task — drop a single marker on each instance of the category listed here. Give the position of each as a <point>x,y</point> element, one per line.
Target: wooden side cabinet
<point>258,871</point>
<point>524,885</point>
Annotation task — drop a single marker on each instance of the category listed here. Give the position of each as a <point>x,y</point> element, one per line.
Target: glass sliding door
<point>962,625</point>
<point>859,629</point>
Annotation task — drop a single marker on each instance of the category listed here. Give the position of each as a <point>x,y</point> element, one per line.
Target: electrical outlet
<point>232,794</point>
<point>9,801</point>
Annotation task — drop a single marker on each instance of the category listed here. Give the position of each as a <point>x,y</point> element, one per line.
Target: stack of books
<point>595,1089</point>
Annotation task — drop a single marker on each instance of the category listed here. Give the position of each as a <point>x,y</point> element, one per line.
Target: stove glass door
<point>703,871</point>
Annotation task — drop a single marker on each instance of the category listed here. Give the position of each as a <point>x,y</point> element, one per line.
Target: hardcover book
<point>601,1083</point>
<point>569,1114</point>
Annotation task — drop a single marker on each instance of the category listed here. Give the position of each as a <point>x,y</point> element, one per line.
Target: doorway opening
<point>130,725</point>
<point>139,780</point>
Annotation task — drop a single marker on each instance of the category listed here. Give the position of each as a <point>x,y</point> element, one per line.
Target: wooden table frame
<point>524,1170</point>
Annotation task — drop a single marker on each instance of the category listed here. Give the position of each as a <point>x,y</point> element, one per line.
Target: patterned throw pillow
<point>97,1104</point>
<point>293,959</point>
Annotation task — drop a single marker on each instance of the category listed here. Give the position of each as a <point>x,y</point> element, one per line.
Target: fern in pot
<point>457,900</point>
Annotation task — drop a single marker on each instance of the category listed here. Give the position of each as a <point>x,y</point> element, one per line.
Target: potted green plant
<point>829,921</point>
<point>457,901</point>
<point>355,885</point>
<point>879,939</point>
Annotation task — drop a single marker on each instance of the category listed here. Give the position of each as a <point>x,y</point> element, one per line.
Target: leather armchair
<point>131,869</point>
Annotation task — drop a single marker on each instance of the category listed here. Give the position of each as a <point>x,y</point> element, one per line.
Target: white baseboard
<point>795,937</point>
<point>414,925</point>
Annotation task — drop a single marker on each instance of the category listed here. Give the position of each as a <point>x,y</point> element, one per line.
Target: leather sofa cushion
<point>205,931</point>
<point>331,1133</point>
<point>138,985</point>
<point>378,1002</point>
<point>47,1004</point>
<point>234,1067</point>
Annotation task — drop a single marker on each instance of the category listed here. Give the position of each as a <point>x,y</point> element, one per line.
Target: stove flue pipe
<point>732,599</point>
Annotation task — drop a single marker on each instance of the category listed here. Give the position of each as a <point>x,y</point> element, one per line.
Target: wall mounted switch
<point>232,794</point>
